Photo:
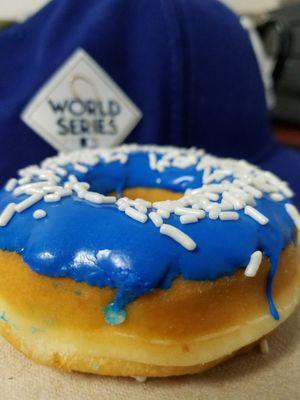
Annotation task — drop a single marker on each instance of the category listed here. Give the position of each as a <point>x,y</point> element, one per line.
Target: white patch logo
<point>81,106</point>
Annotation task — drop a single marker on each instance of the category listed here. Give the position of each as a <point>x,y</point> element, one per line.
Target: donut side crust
<point>182,330</point>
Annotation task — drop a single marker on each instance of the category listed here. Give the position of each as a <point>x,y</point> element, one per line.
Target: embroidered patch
<point>81,106</point>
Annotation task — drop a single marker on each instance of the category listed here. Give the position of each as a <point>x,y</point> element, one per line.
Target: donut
<point>145,261</point>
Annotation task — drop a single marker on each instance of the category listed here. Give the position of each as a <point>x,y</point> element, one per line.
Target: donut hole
<point>151,194</point>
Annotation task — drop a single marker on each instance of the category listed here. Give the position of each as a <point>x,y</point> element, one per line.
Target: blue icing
<point>3,317</point>
<point>113,315</point>
<point>102,246</point>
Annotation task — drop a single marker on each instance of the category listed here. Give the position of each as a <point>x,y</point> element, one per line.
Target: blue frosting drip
<point>102,246</point>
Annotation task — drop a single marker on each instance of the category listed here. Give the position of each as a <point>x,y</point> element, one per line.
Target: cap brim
<point>285,163</point>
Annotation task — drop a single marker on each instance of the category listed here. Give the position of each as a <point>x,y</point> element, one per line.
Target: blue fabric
<point>285,163</point>
<point>187,64</point>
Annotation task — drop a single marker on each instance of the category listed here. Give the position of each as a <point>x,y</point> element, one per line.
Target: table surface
<point>274,376</point>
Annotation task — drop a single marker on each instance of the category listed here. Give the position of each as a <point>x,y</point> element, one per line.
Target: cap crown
<point>187,64</point>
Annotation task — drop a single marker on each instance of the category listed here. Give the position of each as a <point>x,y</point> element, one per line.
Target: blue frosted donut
<point>64,222</point>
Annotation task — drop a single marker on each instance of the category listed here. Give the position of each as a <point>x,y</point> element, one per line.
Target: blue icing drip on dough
<point>102,246</point>
<point>113,315</point>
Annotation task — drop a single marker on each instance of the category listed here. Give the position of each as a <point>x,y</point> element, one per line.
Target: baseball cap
<point>180,72</point>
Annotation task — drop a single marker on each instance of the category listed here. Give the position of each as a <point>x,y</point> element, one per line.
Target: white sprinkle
<point>52,197</point>
<point>61,171</point>
<point>218,176</point>
<point>109,199</point>
<point>191,211</point>
<point>228,216</point>
<point>237,203</point>
<point>239,183</point>
<point>199,166</point>
<point>189,192</point>
<point>51,188</point>
<point>256,215</point>
<point>80,168</point>
<point>72,178</point>
<point>163,213</point>
<point>262,185</point>
<point>22,189</point>
<point>156,219</point>
<point>49,177</point>
<point>93,197</point>
<point>123,158</point>
<point>81,186</point>
<point>166,205</point>
<point>143,202</point>
<point>80,193</point>
<point>294,214</point>
<point>80,189</point>
<point>23,181</point>
<point>122,206</point>
<point>160,167</point>
<point>226,205</point>
<point>214,188</point>
<point>276,196</point>
<point>34,190</point>
<point>286,190</point>
<point>11,184</point>
<point>140,208</point>
<point>213,214</point>
<point>65,192</point>
<point>134,214</point>
<point>238,192</point>
<point>124,202</point>
<point>178,236</point>
<point>152,161</point>
<point>163,163</point>
<point>30,201</point>
<point>264,346</point>
<point>211,196</point>
<point>7,214</point>
<point>254,264</point>
<point>249,199</point>
<point>202,202</point>
<point>140,379</point>
<point>244,164</point>
<point>188,219</point>
<point>255,192</point>
<point>206,174</point>
<point>200,214</point>
<point>68,185</point>
<point>272,177</point>
<point>213,207</point>
<point>38,214</point>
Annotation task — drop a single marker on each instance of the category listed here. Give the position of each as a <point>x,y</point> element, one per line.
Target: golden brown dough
<point>185,329</point>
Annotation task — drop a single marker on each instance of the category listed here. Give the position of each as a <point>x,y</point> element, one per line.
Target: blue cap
<point>188,65</point>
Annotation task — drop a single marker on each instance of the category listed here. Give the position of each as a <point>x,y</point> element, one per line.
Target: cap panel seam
<point>187,78</point>
<point>176,81</point>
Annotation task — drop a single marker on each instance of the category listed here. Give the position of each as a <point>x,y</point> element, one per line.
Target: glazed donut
<point>145,260</point>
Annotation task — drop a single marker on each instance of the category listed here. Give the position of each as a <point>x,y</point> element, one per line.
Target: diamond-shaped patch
<point>81,106</point>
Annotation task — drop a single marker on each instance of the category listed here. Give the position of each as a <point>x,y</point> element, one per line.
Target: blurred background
<point>274,28</point>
